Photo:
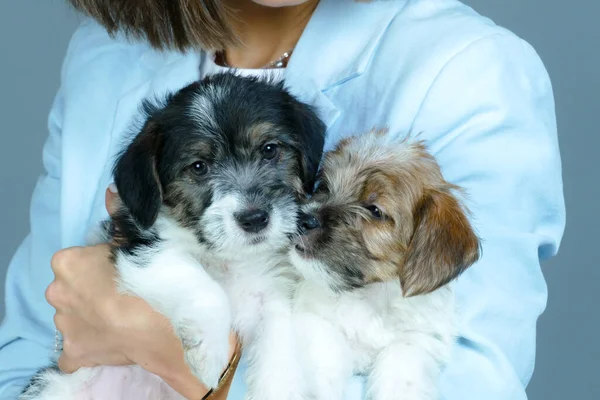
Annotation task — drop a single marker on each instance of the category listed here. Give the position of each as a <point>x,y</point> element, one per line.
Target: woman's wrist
<point>185,383</point>
<point>182,380</point>
<point>168,363</point>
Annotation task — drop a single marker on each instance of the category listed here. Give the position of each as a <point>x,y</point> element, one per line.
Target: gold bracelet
<point>229,370</point>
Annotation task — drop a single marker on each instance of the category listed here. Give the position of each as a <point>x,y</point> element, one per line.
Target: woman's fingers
<point>67,360</point>
<point>111,199</point>
<point>66,365</point>
<point>63,265</point>
<point>84,295</point>
<point>55,295</point>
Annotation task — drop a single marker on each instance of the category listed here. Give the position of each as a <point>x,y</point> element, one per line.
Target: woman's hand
<point>83,293</point>
<point>102,327</point>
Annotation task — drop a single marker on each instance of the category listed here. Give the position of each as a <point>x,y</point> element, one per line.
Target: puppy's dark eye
<point>199,168</point>
<point>270,151</point>
<point>375,212</point>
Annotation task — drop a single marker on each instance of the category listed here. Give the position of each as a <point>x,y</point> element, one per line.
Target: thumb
<point>111,199</point>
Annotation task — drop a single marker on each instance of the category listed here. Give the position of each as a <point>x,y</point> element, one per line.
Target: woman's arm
<point>491,114</point>
<point>26,334</point>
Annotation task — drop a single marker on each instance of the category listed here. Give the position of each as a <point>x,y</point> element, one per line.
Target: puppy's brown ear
<point>443,244</point>
<point>136,176</point>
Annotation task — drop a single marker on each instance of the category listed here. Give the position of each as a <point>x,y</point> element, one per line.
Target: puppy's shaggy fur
<point>380,240</point>
<point>209,190</point>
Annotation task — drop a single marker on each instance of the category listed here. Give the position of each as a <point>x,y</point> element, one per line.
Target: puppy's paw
<point>206,358</point>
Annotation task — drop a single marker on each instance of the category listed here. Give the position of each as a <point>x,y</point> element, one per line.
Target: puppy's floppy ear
<point>443,244</point>
<point>136,176</point>
<point>311,140</point>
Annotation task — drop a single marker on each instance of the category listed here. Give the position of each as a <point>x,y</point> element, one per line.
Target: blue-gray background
<point>33,39</point>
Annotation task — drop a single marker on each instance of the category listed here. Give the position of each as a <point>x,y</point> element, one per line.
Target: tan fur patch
<point>260,132</point>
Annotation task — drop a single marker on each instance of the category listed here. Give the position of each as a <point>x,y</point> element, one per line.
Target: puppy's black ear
<point>311,140</point>
<point>443,245</point>
<point>136,176</point>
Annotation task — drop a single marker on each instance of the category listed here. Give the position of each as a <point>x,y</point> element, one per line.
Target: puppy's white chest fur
<point>253,281</point>
<point>362,317</point>
<point>253,284</point>
<point>373,331</point>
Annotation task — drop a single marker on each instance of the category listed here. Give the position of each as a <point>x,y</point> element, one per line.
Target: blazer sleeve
<point>27,331</point>
<point>489,118</point>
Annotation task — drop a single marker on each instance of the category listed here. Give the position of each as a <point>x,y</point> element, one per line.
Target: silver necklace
<point>279,63</point>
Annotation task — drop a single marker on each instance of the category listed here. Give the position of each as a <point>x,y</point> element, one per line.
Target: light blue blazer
<point>479,96</point>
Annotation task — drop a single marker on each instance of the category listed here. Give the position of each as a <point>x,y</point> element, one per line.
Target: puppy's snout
<point>253,221</point>
<point>308,222</point>
<point>309,228</point>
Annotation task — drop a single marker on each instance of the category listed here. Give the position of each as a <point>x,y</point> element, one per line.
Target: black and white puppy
<point>209,191</point>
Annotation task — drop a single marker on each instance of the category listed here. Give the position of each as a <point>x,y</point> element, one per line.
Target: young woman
<point>479,95</point>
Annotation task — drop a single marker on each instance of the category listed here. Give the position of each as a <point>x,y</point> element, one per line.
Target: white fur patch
<point>312,269</point>
<point>203,112</point>
<point>400,343</point>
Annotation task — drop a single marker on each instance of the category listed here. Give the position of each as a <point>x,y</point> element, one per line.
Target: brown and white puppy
<point>380,240</point>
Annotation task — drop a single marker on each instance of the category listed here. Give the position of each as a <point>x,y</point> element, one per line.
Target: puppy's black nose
<point>308,222</point>
<point>253,221</point>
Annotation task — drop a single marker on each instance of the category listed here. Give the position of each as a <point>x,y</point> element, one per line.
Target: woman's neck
<point>266,32</point>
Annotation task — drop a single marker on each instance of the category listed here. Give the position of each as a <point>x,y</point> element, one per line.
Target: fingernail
<point>113,188</point>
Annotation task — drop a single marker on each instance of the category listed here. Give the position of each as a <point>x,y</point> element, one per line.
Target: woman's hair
<point>179,24</point>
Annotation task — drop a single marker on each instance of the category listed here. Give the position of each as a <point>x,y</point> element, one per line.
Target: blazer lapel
<point>336,46</point>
